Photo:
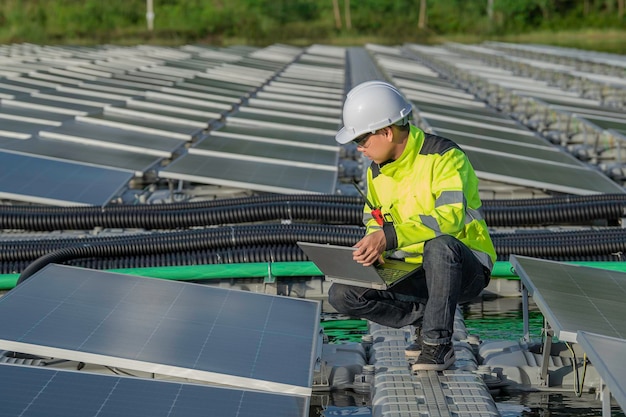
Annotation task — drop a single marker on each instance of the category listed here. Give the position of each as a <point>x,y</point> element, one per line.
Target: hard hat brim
<point>345,136</point>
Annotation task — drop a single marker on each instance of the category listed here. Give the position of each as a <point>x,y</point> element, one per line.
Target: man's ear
<point>388,133</point>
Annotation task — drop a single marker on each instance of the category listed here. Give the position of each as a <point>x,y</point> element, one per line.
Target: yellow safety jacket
<point>431,190</point>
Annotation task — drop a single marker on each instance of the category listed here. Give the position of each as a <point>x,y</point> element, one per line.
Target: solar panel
<point>228,337</point>
<point>575,298</point>
<point>295,138</point>
<point>260,117</point>
<point>251,174</point>
<point>45,392</point>
<point>84,153</point>
<point>149,126</point>
<point>50,181</point>
<point>259,150</point>
<point>607,356</point>
<point>478,143</point>
<point>116,138</point>
<point>487,129</point>
<point>512,169</point>
<point>48,101</point>
<point>33,114</point>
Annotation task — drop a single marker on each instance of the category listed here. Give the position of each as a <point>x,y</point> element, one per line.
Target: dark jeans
<point>450,274</point>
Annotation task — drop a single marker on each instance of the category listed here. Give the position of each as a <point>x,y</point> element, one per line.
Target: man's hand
<point>370,248</point>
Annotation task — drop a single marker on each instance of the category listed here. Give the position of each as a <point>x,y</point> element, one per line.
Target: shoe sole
<point>412,353</point>
<point>434,366</point>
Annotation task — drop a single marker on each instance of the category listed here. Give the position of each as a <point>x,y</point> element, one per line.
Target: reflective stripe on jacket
<point>430,190</point>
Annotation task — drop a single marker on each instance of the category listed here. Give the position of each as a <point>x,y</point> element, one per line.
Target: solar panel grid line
<point>189,331</point>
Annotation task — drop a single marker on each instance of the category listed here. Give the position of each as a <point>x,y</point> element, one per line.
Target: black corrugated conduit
<point>196,205</point>
<point>549,214</point>
<point>339,214</point>
<point>218,237</point>
<point>233,255</point>
<point>566,212</point>
<point>328,213</point>
<point>564,199</point>
<point>552,250</point>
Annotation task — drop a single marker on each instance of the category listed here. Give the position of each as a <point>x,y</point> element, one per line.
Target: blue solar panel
<point>50,181</point>
<point>182,329</point>
<point>44,392</point>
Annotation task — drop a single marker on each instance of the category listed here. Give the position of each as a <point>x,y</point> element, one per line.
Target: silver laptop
<point>337,264</point>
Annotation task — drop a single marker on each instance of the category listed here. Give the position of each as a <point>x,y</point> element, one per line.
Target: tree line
<point>260,22</point>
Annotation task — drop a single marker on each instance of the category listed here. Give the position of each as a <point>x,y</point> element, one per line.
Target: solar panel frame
<point>180,329</point>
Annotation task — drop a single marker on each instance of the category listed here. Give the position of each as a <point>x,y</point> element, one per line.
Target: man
<point>427,191</point>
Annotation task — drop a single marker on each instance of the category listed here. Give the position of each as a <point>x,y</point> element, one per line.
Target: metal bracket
<point>545,360</point>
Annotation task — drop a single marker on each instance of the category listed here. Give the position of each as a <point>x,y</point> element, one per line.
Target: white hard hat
<point>370,106</point>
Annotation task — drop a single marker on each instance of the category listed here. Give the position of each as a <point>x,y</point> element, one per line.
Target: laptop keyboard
<point>390,275</point>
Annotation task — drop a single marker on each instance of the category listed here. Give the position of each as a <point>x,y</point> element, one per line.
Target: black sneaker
<point>413,350</point>
<point>434,357</point>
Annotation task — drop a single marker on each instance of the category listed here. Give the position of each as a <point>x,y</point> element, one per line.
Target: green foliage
<point>267,21</point>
